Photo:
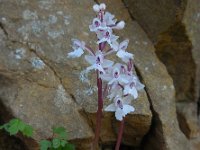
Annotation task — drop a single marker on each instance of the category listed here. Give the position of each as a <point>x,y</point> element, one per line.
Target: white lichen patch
<point>153,64</point>
<point>137,42</point>
<point>56,34</point>
<point>84,77</point>
<point>29,15</point>
<point>172,87</point>
<point>3,19</point>
<point>52,19</point>
<point>37,63</point>
<point>59,12</point>
<point>164,87</point>
<point>66,20</point>
<point>146,68</point>
<point>62,99</point>
<point>145,43</point>
<point>20,53</point>
<point>90,90</point>
<point>35,27</point>
<point>46,4</point>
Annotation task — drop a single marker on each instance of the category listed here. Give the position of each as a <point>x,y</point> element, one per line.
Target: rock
<point>165,132</point>
<point>41,86</point>
<point>174,50</point>
<point>195,144</point>
<point>187,115</point>
<point>155,16</point>
<point>191,21</point>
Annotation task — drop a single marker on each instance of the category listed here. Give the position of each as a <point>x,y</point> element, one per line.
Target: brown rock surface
<point>191,21</point>
<point>188,119</point>
<point>41,86</point>
<point>155,16</point>
<point>174,50</point>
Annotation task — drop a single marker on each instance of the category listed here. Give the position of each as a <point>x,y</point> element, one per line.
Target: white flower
<point>100,7</point>
<point>114,90</point>
<point>121,53</point>
<point>106,36</point>
<point>115,75</point>
<point>120,25</point>
<point>97,25</point>
<point>78,47</point>
<point>109,19</point>
<point>98,62</point>
<point>133,87</point>
<point>120,107</point>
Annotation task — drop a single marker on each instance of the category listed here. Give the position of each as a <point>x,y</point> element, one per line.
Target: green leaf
<point>28,131</point>
<point>56,143</point>
<point>63,143</point>
<point>21,125</point>
<point>69,147</point>
<point>61,132</point>
<point>13,126</point>
<point>13,121</point>
<point>45,144</point>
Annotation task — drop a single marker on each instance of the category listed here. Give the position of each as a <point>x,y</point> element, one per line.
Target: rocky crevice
<point>155,130</point>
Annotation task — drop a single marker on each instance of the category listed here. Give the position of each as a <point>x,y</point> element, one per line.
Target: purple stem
<point>99,112</point>
<point>120,133</point>
<point>100,107</point>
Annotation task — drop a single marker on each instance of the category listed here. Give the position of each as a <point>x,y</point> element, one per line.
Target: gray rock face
<point>41,86</point>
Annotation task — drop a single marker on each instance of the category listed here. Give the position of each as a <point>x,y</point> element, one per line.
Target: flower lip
<point>116,73</point>
<point>119,104</point>
<point>132,85</point>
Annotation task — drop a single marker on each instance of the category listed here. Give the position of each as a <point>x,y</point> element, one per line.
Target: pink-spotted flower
<point>133,87</point>
<point>106,36</point>
<point>98,62</point>
<point>110,21</point>
<point>97,25</point>
<point>78,47</point>
<point>122,53</point>
<point>115,75</point>
<point>120,107</point>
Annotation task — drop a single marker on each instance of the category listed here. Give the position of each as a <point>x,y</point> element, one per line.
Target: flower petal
<point>133,92</point>
<point>139,85</point>
<point>90,59</point>
<point>123,45</point>
<point>127,109</point>
<point>111,107</point>
<point>112,81</point>
<point>106,77</point>
<point>107,63</point>
<point>76,53</point>
<point>119,114</point>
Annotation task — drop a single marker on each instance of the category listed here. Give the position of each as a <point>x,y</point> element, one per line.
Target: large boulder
<point>155,16</point>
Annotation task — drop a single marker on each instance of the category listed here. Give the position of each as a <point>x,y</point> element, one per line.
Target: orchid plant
<point>118,80</point>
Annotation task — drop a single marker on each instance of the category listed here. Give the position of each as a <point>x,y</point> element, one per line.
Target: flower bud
<point>120,25</point>
<point>102,6</point>
<point>96,8</point>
